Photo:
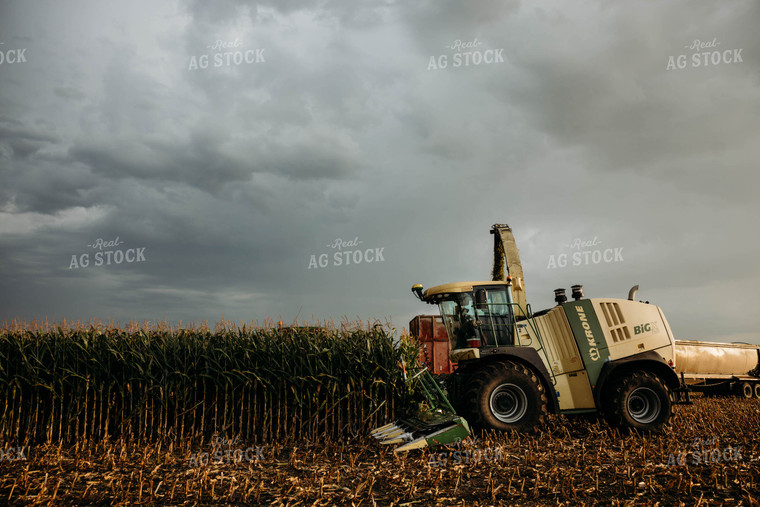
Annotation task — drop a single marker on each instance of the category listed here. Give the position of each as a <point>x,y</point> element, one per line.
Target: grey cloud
<point>232,177</point>
<point>20,140</point>
<point>434,23</point>
<point>46,187</point>
<point>317,154</point>
<point>69,92</point>
<point>618,102</point>
<point>354,13</point>
<point>211,157</point>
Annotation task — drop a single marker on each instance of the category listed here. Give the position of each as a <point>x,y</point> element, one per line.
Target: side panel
<point>574,391</point>
<point>588,333</point>
<point>558,343</point>
<point>621,332</point>
<point>560,352</point>
<point>631,328</point>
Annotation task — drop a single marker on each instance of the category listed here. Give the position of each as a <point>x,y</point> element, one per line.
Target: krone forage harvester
<point>600,355</point>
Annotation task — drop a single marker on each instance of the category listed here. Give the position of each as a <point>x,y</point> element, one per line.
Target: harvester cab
<point>476,314</point>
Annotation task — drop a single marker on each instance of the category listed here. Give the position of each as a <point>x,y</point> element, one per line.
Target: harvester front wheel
<point>638,400</point>
<point>505,396</point>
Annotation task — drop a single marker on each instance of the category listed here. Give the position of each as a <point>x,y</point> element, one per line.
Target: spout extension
<point>632,292</point>
<point>506,252</point>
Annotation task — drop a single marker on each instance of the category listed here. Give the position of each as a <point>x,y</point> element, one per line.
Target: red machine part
<point>434,343</point>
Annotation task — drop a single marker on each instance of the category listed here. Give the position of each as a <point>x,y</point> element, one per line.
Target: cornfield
<point>66,384</point>
<point>161,416</point>
<point>569,461</point>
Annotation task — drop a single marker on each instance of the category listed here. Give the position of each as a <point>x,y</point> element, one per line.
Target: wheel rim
<point>747,390</point>
<point>757,390</point>
<point>508,403</point>
<point>644,405</point>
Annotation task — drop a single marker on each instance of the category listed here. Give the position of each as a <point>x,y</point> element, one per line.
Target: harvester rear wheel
<point>505,396</point>
<point>757,389</point>
<point>638,400</point>
<point>746,391</point>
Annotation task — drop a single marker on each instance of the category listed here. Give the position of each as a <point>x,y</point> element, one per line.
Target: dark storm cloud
<point>18,140</point>
<point>433,22</point>
<point>355,13</point>
<point>46,186</point>
<point>232,177</point>
<point>211,157</point>
<point>617,100</point>
<point>69,92</point>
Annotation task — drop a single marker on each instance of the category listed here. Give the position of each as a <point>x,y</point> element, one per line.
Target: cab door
<point>494,316</point>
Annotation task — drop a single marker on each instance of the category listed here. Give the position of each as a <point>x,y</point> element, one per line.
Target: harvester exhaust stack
<point>439,425</point>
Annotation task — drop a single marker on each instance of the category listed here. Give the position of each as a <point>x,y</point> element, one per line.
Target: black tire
<point>746,391</point>
<point>505,396</point>
<point>638,400</point>
<point>757,389</point>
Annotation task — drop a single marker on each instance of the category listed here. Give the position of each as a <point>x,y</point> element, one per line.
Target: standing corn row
<point>261,384</point>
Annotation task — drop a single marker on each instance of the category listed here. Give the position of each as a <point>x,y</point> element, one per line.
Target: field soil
<point>709,455</point>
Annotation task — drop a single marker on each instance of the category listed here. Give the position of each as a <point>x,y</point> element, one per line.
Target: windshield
<point>458,318</point>
<point>482,321</point>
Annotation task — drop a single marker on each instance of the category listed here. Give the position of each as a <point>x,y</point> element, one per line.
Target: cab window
<point>494,316</point>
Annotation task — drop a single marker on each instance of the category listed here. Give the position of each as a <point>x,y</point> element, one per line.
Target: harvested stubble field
<point>104,416</point>
<point>576,461</point>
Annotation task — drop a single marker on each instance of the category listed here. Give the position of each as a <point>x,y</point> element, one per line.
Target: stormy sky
<point>220,145</point>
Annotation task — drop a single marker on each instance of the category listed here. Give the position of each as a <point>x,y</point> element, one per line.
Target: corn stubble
<point>568,461</point>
